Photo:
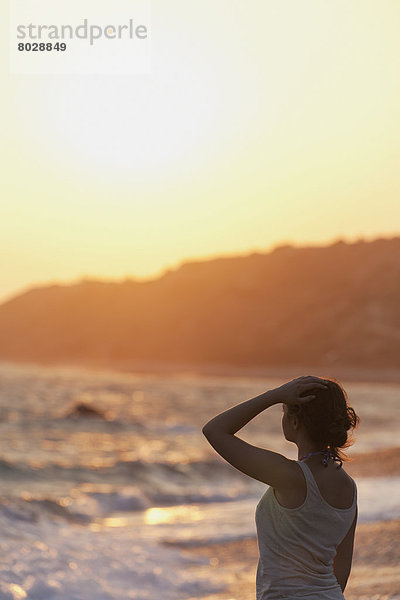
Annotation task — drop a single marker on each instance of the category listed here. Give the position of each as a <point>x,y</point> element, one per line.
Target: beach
<point>375,571</point>
<point>110,491</point>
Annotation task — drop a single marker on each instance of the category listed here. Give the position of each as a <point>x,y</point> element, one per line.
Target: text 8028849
<point>41,47</point>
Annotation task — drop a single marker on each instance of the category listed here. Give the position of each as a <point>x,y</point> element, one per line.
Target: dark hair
<point>327,418</point>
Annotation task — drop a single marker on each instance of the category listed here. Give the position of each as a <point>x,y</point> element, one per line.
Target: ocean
<point>106,478</point>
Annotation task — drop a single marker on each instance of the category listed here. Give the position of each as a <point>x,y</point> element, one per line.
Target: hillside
<point>333,305</point>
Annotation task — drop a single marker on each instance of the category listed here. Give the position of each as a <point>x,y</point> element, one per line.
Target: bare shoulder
<point>340,476</point>
<point>347,479</point>
<point>348,483</point>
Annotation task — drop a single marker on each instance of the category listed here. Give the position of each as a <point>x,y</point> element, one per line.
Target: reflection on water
<point>172,514</point>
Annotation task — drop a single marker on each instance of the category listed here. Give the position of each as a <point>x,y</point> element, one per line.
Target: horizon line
<point>190,260</point>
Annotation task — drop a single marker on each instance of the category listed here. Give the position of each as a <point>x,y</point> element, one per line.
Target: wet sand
<point>375,573</point>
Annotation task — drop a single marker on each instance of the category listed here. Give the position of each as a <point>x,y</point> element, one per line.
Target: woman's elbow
<point>210,430</point>
<point>206,429</point>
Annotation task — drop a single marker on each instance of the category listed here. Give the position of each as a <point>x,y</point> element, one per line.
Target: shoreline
<point>165,368</point>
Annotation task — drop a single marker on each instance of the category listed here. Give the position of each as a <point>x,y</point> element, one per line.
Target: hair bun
<point>328,418</point>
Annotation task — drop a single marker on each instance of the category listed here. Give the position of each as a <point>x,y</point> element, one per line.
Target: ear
<point>295,421</point>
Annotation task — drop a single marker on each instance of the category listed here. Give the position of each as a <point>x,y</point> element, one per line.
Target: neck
<point>304,449</point>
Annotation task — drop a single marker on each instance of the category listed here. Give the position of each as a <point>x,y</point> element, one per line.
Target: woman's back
<point>335,486</point>
<point>298,540</point>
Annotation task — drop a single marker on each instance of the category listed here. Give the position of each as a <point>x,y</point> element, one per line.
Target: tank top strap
<point>312,488</point>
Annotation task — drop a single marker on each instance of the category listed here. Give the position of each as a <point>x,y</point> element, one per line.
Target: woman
<point>306,519</point>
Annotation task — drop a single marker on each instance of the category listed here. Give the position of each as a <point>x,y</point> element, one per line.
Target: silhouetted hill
<point>333,305</point>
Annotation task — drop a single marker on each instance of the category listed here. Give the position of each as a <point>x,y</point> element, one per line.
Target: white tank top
<point>297,545</point>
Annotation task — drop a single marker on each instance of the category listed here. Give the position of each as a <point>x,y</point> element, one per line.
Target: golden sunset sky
<point>262,122</point>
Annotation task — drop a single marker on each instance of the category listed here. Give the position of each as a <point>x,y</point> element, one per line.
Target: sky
<point>260,123</point>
